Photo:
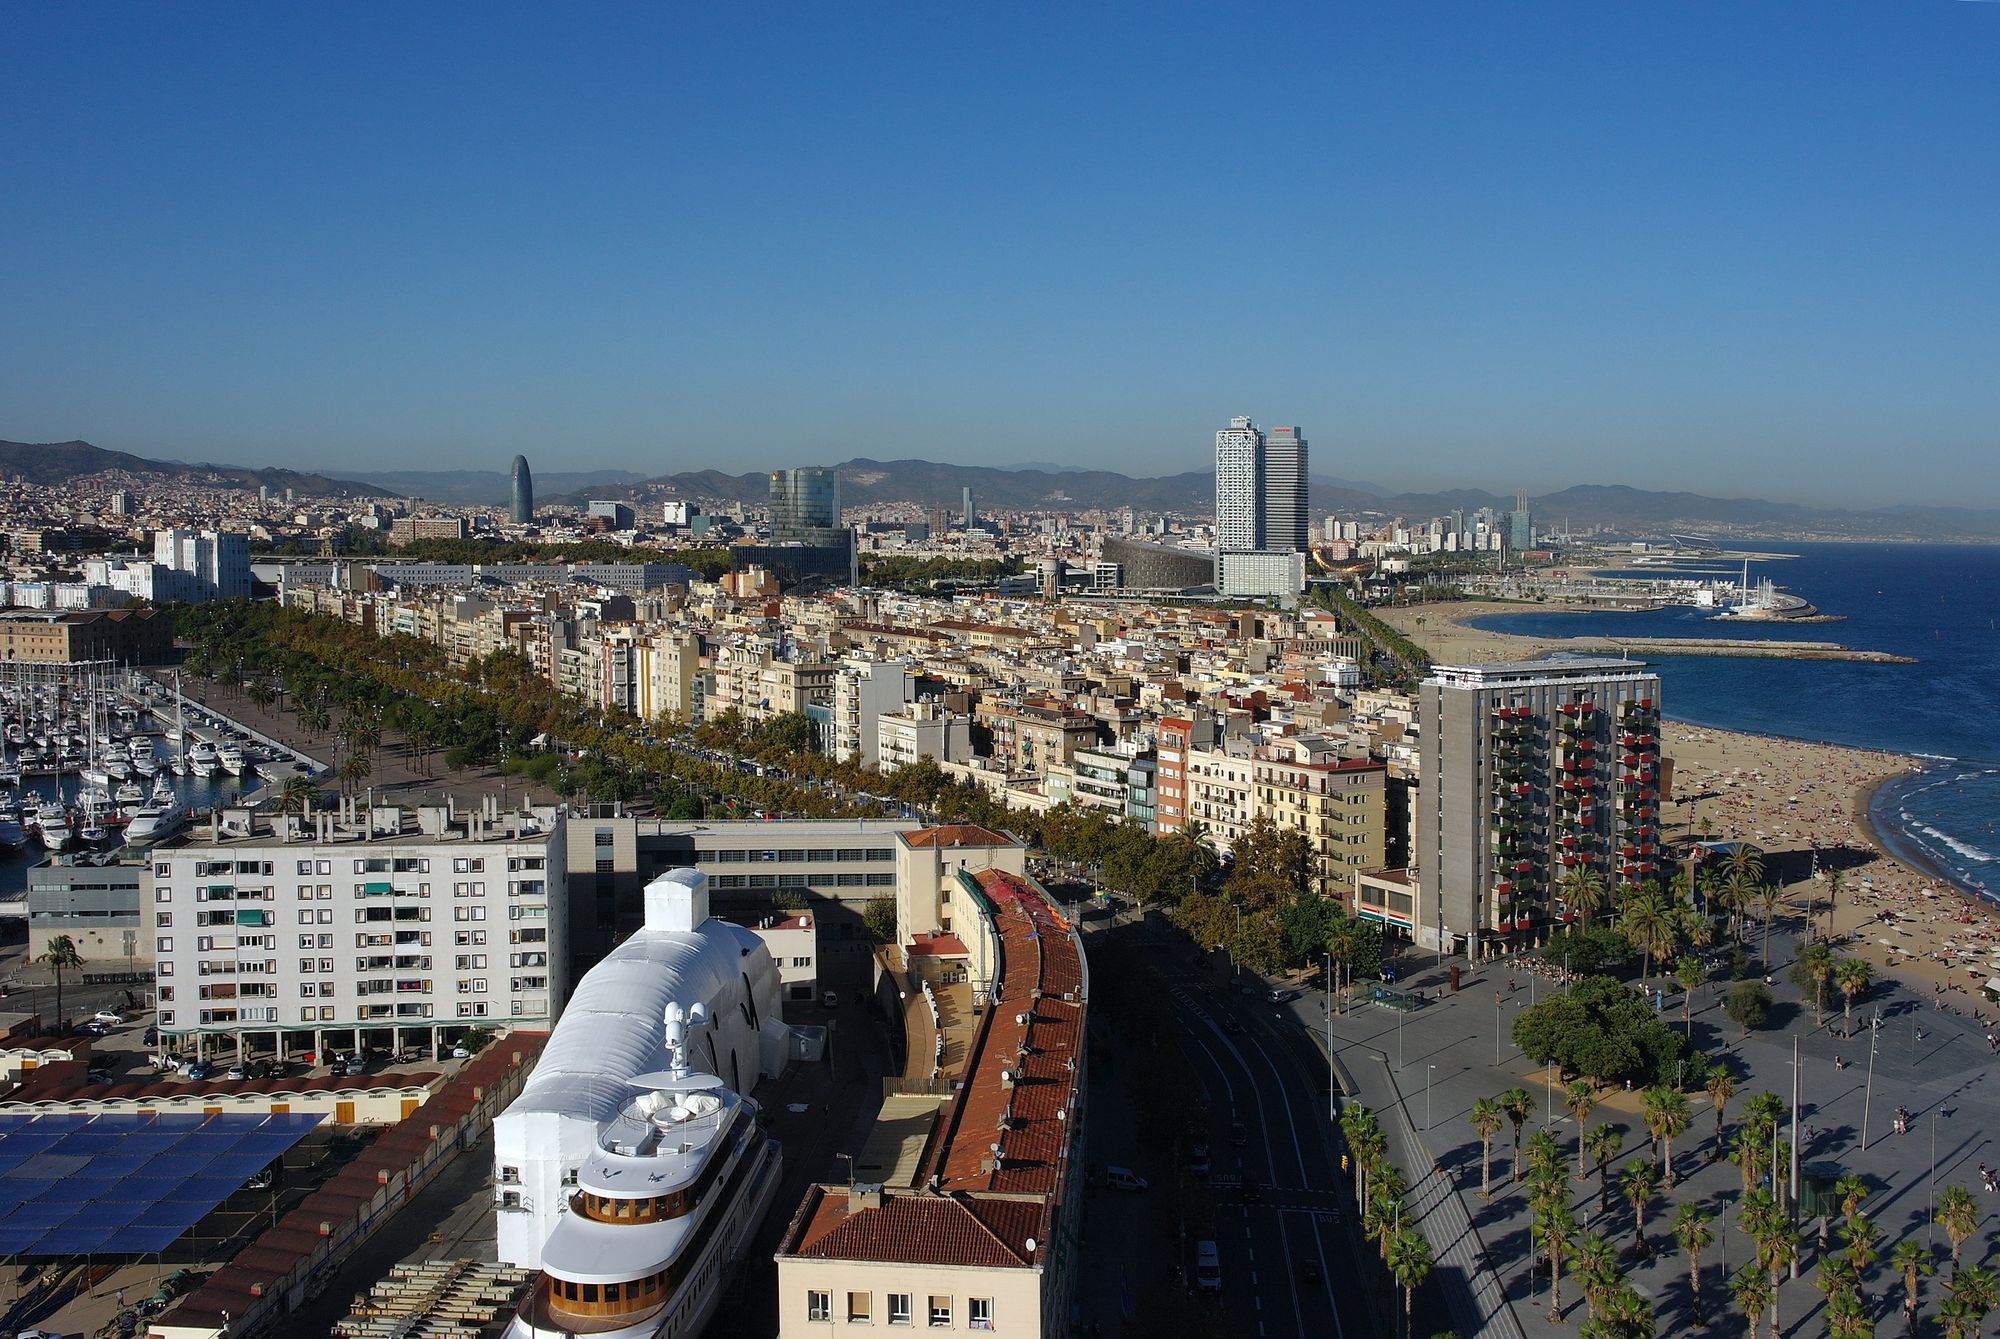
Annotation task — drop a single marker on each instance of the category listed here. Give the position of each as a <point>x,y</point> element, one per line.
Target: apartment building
<point>1531,770</point>
<point>380,926</point>
<point>864,692</point>
<point>1028,736</point>
<point>1337,803</point>
<point>923,729</point>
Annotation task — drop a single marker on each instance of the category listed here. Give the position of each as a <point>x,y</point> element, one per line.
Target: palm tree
<point>1546,1169</point>
<point>1596,1267</point>
<point>354,769</point>
<point>1580,1099</point>
<point>1198,841</point>
<point>297,792</point>
<point>1583,891</point>
<point>1644,920</point>
<point>1752,1289</point>
<point>1666,1112</point>
<point>1640,1179</point>
<point>1554,1229</point>
<point>1692,1231</point>
<point>1768,897</point>
<point>1748,1152</point>
<point>1958,1214</point>
<point>1689,973</point>
<point>1343,939</point>
<point>1410,1262</point>
<point>1835,880</point>
<point>1748,862</point>
<point>1518,1106</point>
<point>1864,1243</point>
<point>1721,1087</point>
<point>1852,975</point>
<point>1626,1315</point>
<point>59,955</point>
<point>1852,1189</point>
<point>1364,1139</point>
<point>1487,1118</point>
<point>1848,1317</point>
<point>1605,1141</point>
<point>1958,1319</point>
<point>1979,1289</point>
<point>1911,1259</point>
<point>1777,1244</point>
<point>1817,959</point>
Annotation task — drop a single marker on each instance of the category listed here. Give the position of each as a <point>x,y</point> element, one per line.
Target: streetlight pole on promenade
<point>1868,1092</point>
<point>1428,1073</point>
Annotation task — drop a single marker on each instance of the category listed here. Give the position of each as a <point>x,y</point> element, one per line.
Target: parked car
<point>111,1016</point>
<point>1123,1178</point>
<point>1279,996</point>
<point>237,1072</point>
<point>200,1070</point>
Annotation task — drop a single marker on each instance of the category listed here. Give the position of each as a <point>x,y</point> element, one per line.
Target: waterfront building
<point>1531,770</point>
<point>1260,574</point>
<point>1287,528</point>
<point>365,924</point>
<point>126,636</point>
<point>1239,486</point>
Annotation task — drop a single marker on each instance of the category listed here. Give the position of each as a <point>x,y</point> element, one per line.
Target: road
<point>1283,1211</point>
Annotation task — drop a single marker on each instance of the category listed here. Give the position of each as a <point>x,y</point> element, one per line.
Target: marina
<point>95,758</point>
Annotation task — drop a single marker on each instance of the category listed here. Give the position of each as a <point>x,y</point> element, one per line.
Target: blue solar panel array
<point>126,1184</point>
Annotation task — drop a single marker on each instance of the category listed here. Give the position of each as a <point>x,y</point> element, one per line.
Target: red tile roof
<point>956,834</point>
<point>917,1228</point>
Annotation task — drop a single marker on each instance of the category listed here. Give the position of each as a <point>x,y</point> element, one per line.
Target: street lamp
<point>1429,1071</point>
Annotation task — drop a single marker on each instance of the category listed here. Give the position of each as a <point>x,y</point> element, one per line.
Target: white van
<point>1207,1267</point>
<point>1123,1178</point>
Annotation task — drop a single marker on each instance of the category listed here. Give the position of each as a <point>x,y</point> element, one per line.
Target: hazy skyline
<point>1730,248</point>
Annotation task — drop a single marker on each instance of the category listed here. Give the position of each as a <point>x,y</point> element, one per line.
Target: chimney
<point>864,1195</point>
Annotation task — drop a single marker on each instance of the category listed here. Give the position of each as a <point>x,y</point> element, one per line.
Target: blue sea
<point>1939,603</point>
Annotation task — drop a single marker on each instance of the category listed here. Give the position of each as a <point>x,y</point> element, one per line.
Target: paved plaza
<point>1436,1060</point>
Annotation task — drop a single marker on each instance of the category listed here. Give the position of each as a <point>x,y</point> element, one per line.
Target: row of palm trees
<point>1379,1190</point>
<point>1757,1148</point>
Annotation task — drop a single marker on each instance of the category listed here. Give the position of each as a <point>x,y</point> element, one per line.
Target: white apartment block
<point>385,926</point>
<point>920,730</point>
<point>865,691</point>
<point>1239,486</point>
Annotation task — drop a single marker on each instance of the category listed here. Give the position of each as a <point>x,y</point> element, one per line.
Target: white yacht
<point>54,827</point>
<point>129,792</point>
<point>155,822</point>
<point>665,1206</point>
<point>231,758</point>
<point>672,1169</point>
<point>202,758</point>
<point>163,793</point>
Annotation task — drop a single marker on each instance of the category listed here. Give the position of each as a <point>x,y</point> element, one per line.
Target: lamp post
<point>1332,1107</point>
<point>1429,1071</point>
<point>1235,963</point>
<point>1868,1092</point>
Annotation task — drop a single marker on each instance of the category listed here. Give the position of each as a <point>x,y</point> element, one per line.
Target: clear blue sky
<point>1746,248</point>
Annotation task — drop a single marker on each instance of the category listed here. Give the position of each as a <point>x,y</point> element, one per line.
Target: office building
<point>1531,770</point>
<point>620,514</point>
<point>1260,574</point>
<point>1239,486</point>
<point>1286,526</point>
<point>805,507</point>
<point>381,926</point>
<point>1157,567</point>
<point>96,905</point>
<point>522,512</point>
<point>965,508</point>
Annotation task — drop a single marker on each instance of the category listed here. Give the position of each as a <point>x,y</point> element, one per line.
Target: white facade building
<point>1239,486</point>
<point>358,921</point>
<point>1242,576</point>
<point>864,691</point>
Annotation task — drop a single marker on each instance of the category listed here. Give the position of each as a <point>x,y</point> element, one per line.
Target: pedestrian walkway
<point>1472,1292</point>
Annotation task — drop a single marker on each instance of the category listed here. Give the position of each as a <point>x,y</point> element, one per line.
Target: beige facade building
<point>1337,803</point>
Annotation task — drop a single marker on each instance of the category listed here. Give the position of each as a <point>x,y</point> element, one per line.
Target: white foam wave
<point>1965,850</point>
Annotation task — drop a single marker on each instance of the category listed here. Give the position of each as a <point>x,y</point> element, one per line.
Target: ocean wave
<point>1965,850</point>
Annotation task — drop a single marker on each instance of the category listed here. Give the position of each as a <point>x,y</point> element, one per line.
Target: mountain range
<point>1616,507</point>
<point>864,482</point>
<point>54,463</point>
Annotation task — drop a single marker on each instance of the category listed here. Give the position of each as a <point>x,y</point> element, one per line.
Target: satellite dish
<point>1031,1245</point>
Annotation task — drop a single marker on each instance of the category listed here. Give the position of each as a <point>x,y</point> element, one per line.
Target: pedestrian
<point>119,1296</point>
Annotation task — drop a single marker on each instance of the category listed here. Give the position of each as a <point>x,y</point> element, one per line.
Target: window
<point>163,894</point>
<point>979,1313</point>
<point>819,1305</point>
<point>163,919</point>
<point>860,1308</point>
<point>163,944</point>
<point>899,1308</point>
<point>940,1313</point>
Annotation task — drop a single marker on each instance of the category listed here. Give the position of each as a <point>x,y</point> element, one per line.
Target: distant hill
<point>495,487</point>
<point>1618,507</point>
<point>56,463</point>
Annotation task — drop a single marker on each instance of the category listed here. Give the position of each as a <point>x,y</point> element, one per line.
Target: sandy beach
<point>1788,797</point>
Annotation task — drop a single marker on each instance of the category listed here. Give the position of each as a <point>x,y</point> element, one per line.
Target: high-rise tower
<point>523,510</point>
<point>805,506</point>
<point>1286,528</point>
<point>1239,487</point>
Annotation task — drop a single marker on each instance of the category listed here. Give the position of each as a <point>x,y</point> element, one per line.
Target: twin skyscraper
<point>1260,490</point>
